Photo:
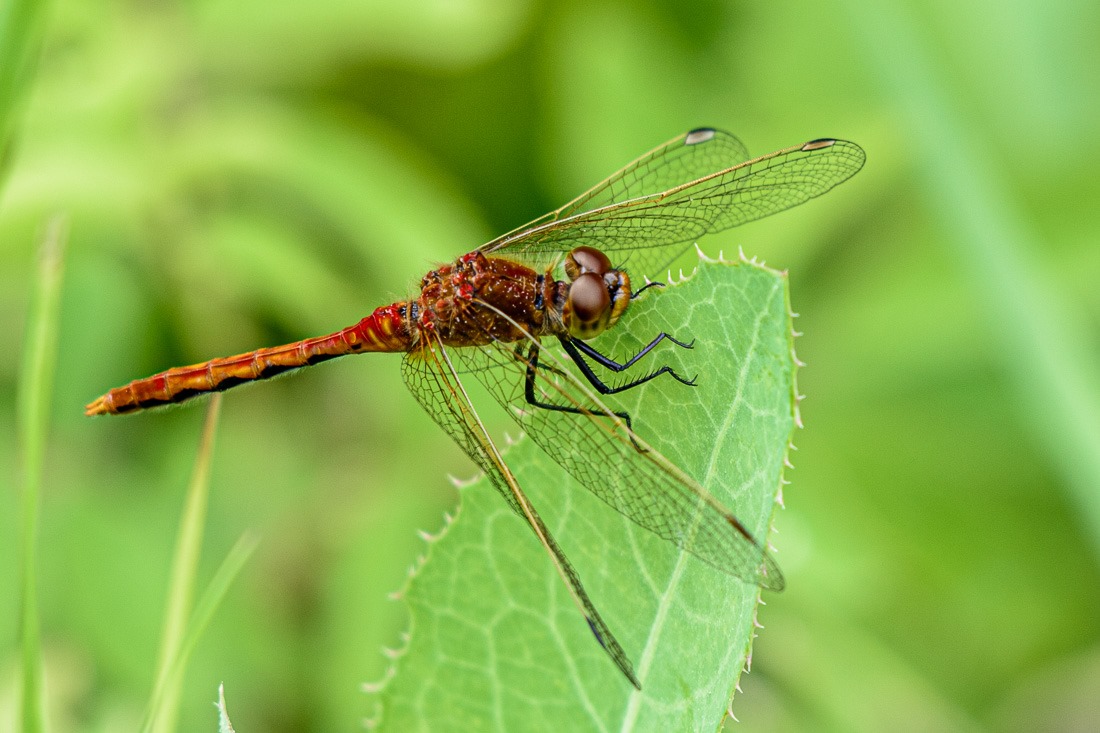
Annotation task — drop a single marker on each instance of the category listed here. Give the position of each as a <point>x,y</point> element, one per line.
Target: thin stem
<point>35,387</point>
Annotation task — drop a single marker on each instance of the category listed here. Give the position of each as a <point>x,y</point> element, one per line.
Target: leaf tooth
<point>375,720</point>
<point>704,256</point>
<point>461,483</point>
<point>373,688</point>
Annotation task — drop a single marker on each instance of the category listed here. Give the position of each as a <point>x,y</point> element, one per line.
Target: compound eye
<point>589,305</point>
<point>586,259</point>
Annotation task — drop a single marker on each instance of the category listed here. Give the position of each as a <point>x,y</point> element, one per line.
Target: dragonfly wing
<point>660,169</point>
<point>686,157</point>
<point>696,184</point>
<point>433,380</point>
<point>603,454</point>
<point>442,397</point>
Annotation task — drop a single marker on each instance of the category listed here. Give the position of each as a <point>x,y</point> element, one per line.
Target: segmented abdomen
<point>383,330</point>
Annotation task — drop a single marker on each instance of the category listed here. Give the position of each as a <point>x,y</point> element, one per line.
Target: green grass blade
<point>211,599</point>
<point>21,24</point>
<point>496,643</point>
<point>35,387</point>
<point>165,701</point>
<point>213,595</point>
<point>1043,339</point>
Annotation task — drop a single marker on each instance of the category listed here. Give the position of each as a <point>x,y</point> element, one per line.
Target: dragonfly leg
<point>647,286</point>
<point>529,392</point>
<point>518,352</point>
<point>575,347</point>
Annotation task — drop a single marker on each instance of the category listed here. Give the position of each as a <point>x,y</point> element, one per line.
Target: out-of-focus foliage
<point>242,174</point>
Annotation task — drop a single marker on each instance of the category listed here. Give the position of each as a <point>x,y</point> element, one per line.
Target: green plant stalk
<point>39,361</point>
<point>164,703</point>
<point>1041,336</point>
<point>200,619</point>
<point>21,23</point>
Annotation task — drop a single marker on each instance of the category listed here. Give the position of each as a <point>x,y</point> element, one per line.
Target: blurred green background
<point>244,174</point>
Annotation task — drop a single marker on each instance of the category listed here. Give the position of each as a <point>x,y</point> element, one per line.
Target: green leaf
<point>496,642</point>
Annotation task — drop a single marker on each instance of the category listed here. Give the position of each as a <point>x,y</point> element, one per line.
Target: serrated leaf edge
<point>376,688</point>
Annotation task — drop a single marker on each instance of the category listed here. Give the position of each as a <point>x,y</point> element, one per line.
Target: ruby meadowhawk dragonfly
<point>488,314</point>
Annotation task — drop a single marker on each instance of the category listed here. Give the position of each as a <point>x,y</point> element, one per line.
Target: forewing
<point>602,453</point>
<point>686,157</point>
<point>653,209</point>
<point>433,381</point>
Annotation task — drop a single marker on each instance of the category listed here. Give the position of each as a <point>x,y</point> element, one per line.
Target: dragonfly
<point>491,314</point>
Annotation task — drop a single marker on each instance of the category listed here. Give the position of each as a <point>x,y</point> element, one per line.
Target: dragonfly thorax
<point>598,293</point>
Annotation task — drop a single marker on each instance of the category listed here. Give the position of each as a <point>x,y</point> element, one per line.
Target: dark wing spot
<point>595,631</point>
<point>736,524</point>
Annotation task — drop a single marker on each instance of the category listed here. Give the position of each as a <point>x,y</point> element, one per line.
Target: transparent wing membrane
<point>698,183</point>
<point>598,449</point>
<point>433,381</point>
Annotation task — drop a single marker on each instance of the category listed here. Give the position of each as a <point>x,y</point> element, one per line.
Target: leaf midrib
<point>634,701</point>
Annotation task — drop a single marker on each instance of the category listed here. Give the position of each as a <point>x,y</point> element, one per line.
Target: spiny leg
<point>575,347</point>
<point>526,361</point>
<point>532,369</point>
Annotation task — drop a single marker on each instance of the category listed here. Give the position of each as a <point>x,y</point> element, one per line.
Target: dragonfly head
<point>598,293</point>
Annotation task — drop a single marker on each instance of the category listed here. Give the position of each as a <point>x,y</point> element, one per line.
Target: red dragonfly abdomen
<point>384,330</point>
